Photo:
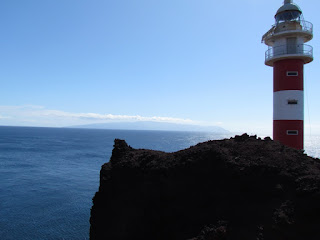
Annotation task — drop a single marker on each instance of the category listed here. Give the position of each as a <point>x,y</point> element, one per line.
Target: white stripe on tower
<point>288,105</point>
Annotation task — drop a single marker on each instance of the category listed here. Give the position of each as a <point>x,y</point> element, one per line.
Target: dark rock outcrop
<point>238,188</point>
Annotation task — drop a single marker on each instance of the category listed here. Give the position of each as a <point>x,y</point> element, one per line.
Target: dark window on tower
<point>292,73</point>
<point>292,132</point>
<point>292,101</point>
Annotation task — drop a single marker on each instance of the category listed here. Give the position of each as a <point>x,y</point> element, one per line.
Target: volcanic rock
<point>239,188</point>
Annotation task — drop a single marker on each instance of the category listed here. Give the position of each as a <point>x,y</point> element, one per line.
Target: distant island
<point>150,125</point>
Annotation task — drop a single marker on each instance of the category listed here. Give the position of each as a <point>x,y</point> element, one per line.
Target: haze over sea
<point>48,176</point>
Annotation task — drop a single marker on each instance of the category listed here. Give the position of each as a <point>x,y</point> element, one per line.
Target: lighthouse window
<point>292,132</point>
<point>292,101</point>
<point>292,73</point>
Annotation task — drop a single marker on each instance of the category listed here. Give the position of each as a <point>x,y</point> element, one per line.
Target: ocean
<point>48,176</point>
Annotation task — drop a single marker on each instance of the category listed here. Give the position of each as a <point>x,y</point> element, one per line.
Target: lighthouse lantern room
<point>287,53</point>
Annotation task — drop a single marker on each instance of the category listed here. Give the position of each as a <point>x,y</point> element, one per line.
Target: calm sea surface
<point>48,176</point>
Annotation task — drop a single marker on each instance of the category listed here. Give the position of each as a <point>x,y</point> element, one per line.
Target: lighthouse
<point>287,53</point>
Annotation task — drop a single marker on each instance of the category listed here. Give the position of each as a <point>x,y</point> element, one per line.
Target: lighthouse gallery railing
<point>301,25</point>
<point>300,49</point>
<point>306,26</point>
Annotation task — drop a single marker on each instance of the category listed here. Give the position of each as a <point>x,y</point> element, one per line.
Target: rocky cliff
<point>239,188</point>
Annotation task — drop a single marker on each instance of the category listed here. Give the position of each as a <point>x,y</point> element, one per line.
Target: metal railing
<point>300,49</point>
<point>304,26</point>
<point>301,25</point>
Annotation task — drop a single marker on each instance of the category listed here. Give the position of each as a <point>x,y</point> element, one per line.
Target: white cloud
<point>109,117</point>
<point>40,116</point>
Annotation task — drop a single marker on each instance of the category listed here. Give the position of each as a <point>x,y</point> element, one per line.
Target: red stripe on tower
<point>288,75</point>
<point>287,54</point>
<point>293,128</point>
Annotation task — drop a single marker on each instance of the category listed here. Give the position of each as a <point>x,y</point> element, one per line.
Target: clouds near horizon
<point>40,116</point>
<point>31,115</point>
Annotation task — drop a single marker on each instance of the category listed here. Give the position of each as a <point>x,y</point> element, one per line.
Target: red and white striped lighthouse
<point>287,53</point>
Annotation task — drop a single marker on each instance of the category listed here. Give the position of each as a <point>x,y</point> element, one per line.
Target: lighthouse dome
<point>288,12</point>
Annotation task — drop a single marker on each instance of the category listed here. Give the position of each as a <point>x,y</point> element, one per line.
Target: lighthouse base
<point>289,132</point>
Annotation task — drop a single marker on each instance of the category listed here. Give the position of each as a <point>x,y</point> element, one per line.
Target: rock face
<point>238,188</point>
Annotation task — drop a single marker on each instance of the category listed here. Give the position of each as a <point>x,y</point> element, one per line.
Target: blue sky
<point>69,62</point>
